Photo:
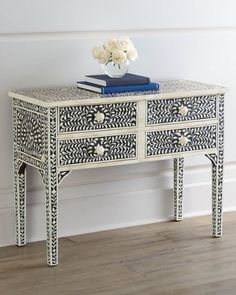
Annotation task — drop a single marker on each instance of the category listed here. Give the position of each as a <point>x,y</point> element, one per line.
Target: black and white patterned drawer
<point>97,149</point>
<point>181,140</point>
<point>92,117</point>
<point>181,109</point>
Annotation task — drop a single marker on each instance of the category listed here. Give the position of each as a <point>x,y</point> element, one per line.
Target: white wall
<point>48,43</point>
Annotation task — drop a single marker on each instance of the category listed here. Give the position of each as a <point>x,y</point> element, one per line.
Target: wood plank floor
<point>165,258</point>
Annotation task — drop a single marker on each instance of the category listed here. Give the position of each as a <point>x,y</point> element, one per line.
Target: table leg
<point>178,188</point>
<point>51,187</point>
<point>20,201</point>
<point>50,178</point>
<point>217,161</point>
<point>217,193</point>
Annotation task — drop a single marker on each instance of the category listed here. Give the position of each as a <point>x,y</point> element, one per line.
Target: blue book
<point>117,89</point>
<point>127,79</point>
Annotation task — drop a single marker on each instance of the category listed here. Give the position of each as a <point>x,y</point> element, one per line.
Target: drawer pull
<point>99,117</point>
<point>99,150</point>
<point>183,110</point>
<point>183,140</point>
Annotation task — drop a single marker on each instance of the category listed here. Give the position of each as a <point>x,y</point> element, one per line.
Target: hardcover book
<point>117,89</point>
<point>127,79</point>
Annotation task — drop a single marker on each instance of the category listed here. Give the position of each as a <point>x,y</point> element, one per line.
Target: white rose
<point>125,44</point>
<point>96,51</point>
<point>118,56</point>
<point>111,44</point>
<point>103,56</point>
<point>132,54</point>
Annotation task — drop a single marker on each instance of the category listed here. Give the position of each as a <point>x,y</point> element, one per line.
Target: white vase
<point>114,70</point>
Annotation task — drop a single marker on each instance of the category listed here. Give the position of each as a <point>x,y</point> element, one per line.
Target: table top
<point>51,97</point>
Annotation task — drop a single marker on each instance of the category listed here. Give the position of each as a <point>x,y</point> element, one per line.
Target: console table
<point>61,129</point>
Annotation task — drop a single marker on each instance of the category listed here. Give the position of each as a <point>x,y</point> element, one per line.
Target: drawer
<point>181,140</point>
<point>92,117</point>
<point>97,149</point>
<point>181,109</point>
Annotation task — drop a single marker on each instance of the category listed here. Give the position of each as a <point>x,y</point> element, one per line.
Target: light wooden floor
<point>166,258</point>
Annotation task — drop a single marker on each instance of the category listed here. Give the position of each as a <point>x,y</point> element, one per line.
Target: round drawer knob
<point>99,117</point>
<point>99,150</point>
<point>183,110</point>
<point>183,140</point>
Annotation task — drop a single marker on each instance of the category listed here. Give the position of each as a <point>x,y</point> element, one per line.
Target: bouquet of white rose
<point>116,51</point>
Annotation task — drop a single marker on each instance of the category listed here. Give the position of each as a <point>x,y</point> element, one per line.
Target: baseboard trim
<point>122,225</point>
<point>6,194</point>
<point>188,170</point>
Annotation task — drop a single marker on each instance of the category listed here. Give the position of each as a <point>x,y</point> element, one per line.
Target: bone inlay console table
<point>62,129</point>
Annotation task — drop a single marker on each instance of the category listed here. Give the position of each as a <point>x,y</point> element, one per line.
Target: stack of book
<point>128,83</point>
